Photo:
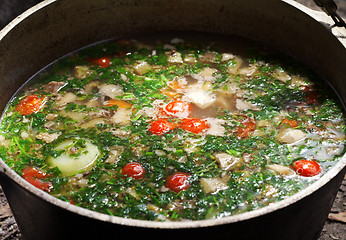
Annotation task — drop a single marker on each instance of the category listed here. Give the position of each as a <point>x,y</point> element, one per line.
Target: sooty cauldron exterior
<point>54,28</point>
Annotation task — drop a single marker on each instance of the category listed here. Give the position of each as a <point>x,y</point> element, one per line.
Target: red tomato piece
<point>34,175</point>
<point>194,125</point>
<point>178,108</point>
<point>30,104</point>
<point>248,127</point>
<point>134,170</point>
<point>33,172</point>
<point>161,126</point>
<point>306,168</point>
<point>178,181</point>
<point>102,62</point>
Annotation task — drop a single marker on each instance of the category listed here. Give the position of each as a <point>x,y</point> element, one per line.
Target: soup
<point>173,129</point>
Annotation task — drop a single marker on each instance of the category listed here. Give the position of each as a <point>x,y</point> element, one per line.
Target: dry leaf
<point>341,217</point>
<point>5,211</point>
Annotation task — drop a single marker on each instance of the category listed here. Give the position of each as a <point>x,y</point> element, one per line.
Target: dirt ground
<point>334,228</point>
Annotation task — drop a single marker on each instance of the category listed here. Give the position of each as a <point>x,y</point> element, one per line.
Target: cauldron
<point>55,28</point>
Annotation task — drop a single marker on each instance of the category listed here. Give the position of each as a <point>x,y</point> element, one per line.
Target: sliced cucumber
<point>77,155</point>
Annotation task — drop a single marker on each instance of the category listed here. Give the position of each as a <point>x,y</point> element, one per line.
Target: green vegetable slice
<point>77,155</point>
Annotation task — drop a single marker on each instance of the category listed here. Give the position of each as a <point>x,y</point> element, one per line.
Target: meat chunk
<point>46,137</point>
<point>122,116</point>
<point>290,135</point>
<point>54,86</point>
<point>197,95</point>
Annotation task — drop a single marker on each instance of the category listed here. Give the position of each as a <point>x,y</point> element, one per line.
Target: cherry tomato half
<point>178,108</point>
<point>178,181</point>
<point>194,125</point>
<point>30,104</point>
<point>102,62</point>
<point>134,170</point>
<point>161,126</point>
<point>306,168</point>
<point>34,175</point>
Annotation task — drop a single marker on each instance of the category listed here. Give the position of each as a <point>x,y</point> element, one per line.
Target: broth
<point>169,128</point>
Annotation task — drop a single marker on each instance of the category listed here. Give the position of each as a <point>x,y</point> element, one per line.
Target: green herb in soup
<point>172,131</point>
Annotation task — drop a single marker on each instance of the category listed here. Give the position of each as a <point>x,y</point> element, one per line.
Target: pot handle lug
<point>330,7</point>
<point>323,18</point>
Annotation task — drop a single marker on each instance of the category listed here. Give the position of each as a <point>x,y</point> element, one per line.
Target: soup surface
<point>172,129</point>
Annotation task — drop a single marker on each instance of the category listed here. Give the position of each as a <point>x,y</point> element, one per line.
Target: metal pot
<point>54,28</point>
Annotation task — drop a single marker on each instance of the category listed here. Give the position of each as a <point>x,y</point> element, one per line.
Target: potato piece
<point>212,185</point>
<point>290,135</point>
<point>190,58</point>
<point>227,161</point>
<point>67,98</point>
<point>81,72</point>
<point>142,67</point>
<point>174,57</point>
<point>76,157</point>
<point>281,169</point>
<point>110,90</point>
